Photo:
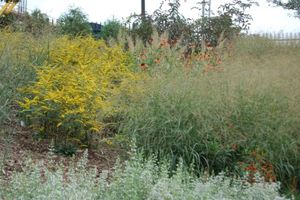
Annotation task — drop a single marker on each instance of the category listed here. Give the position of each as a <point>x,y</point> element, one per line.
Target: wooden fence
<point>283,38</point>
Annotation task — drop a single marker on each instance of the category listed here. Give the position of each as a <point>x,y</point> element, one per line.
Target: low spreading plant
<point>73,88</point>
<point>134,180</point>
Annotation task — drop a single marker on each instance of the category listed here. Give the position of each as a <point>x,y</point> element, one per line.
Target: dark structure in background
<point>143,8</point>
<point>96,29</point>
<point>22,7</point>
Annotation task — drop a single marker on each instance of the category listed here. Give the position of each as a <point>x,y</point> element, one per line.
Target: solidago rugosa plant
<point>73,88</point>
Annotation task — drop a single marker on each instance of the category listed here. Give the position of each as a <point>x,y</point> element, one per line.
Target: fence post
<point>282,38</point>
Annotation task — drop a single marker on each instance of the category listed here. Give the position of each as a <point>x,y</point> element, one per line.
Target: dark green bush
<point>110,29</point>
<point>74,23</point>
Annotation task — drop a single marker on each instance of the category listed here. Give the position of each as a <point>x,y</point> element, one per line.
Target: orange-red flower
<point>251,168</point>
<point>157,61</point>
<point>234,147</point>
<point>164,43</point>
<point>143,66</point>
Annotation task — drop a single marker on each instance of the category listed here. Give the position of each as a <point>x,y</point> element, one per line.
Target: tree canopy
<point>290,4</point>
<point>74,22</point>
<point>10,0</point>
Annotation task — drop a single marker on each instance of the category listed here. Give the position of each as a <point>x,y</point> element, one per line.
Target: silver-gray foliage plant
<point>133,180</point>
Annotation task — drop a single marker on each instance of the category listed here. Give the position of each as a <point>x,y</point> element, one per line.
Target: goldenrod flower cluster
<point>73,88</point>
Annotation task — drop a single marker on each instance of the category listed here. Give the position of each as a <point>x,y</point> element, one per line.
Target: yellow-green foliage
<point>74,88</point>
<point>19,48</point>
<point>19,52</point>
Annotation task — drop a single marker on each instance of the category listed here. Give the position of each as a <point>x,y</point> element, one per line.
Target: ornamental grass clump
<point>164,56</point>
<point>73,88</point>
<point>216,125</point>
<point>19,52</point>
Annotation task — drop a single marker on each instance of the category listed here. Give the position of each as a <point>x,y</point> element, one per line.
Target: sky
<point>266,18</point>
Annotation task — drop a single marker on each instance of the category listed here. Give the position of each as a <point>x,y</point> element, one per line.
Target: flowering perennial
<point>72,90</point>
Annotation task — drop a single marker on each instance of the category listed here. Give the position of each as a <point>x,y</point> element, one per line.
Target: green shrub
<point>74,23</point>
<point>110,29</point>
<point>36,23</point>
